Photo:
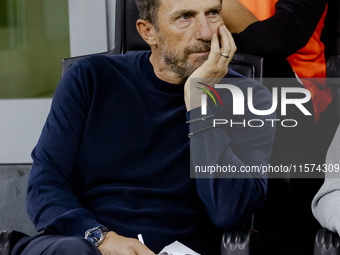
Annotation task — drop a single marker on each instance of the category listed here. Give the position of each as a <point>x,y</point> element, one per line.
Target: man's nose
<point>203,29</point>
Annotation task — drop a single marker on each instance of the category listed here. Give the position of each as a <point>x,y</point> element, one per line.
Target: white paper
<point>177,248</point>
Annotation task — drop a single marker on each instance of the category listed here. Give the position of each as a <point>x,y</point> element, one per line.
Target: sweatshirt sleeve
<point>232,197</point>
<point>287,31</point>
<point>326,203</point>
<point>51,202</point>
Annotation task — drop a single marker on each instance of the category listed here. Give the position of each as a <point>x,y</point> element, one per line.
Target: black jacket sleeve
<point>287,31</point>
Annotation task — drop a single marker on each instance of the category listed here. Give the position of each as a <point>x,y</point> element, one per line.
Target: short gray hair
<point>148,10</point>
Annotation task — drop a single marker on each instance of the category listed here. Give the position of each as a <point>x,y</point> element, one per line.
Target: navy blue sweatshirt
<point>115,152</point>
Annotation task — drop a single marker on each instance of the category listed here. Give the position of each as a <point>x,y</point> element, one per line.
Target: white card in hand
<point>177,248</point>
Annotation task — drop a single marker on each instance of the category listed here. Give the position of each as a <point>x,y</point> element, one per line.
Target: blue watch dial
<point>96,235</point>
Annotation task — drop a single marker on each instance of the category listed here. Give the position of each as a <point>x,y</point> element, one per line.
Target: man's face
<point>185,29</point>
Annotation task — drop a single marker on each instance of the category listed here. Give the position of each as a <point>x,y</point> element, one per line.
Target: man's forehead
<point>196,5</point>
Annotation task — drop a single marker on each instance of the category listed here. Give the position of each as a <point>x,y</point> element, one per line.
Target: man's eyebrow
<point>178,13</point>
<point>217,8</point>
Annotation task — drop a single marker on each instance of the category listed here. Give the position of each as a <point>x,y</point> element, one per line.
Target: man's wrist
<point>96,235</point>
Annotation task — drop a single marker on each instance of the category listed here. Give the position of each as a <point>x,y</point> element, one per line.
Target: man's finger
<point>214,49</point>
<point>141,249</point>
<point>231,43</point>
<point>225,40</point>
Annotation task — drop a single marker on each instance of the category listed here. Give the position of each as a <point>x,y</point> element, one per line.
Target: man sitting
<point>113,159</point>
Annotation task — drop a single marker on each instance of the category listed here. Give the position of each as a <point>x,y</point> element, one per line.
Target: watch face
<point>94,235</point>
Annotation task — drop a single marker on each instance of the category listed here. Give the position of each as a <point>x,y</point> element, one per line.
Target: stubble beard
<point>181,65</point>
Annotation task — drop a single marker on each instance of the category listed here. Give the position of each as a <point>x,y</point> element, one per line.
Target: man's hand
<point>115,244</point>
<point>215,68</point>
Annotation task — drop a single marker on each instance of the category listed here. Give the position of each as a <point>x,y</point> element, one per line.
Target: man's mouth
<point>201,49</point>
<point>201,53</point>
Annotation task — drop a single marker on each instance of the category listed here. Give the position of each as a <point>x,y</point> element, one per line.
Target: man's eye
<point>214,12</point>
<point>185,16</point>
<point>214,15</point>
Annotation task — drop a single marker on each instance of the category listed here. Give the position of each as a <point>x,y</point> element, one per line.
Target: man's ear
<point>147,31</point>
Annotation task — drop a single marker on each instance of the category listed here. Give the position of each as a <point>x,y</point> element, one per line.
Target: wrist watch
<point>96,235</point>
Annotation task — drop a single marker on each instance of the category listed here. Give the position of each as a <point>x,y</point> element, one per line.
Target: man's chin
<point>199,61</point>
<point>194,65</point>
